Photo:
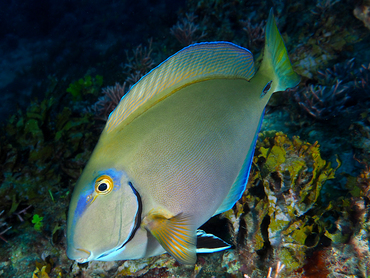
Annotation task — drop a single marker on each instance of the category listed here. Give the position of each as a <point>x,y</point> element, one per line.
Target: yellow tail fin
<point>276,60</point>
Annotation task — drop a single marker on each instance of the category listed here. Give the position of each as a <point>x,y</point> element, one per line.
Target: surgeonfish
<point>176,151</point>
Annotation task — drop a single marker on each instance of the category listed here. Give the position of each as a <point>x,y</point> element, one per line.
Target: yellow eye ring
<point>103,185</point>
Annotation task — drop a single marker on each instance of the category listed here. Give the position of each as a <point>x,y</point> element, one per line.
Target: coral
<point>323,6</point>
<point>363,13</point>
<point>324,37</point>
<point>341,91</point>
<point>255,33</point>
<point>279,268</point>
<point>137,66</point>
<point>42,154</point>
<point>230,262</point>
<point>225,20</point>
<point>360,238</point>
<point>112,95</point>
<point>360,137</point>
<point>363,182</point>
<point>139,63</point>
<point>360,186</point>
<point>343,261</point>
<point>316,266</point>
<point>275,212</point>
<point>293,168</point>
<point>349,254</point>
<point>322,102</point>
<point>289,213</point>
<point>4,227</point>
<point>158,266</point>
<point>186,31</point>
<point>43,269</point>
<point>47,142</point>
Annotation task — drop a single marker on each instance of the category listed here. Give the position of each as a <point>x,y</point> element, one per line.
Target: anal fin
<point>209,243</point>
<point>175,234</point>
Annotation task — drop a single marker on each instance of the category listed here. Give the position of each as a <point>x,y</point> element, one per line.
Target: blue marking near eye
<point>115,176</point>
<point>83,203</point>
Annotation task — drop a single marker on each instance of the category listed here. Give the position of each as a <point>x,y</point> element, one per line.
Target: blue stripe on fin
<point>237,189</point>
<point>208,243</point>
<point>194,63</point>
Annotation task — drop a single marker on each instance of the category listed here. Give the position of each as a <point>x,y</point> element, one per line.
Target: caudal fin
<point>276,60</point>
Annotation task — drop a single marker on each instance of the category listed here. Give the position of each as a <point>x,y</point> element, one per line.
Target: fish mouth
<point>80,255</point>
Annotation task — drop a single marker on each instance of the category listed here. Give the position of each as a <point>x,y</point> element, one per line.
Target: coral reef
<point>43,150</point>
<point>139,63</point>
<point>110,99</point>
<point>4,227</point>
<point>186,31</point>
<point>324,38</point>
<point>341,91</point>
<point>363,13</point>
<point>360,137</point>
<point>255,33</point>
<point>275,212</point>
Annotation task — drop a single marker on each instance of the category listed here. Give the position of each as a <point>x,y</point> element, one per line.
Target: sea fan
<point>108,102</point>
<point>340,89</point>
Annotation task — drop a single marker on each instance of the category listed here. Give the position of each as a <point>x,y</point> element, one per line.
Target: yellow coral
<point>40,273</point>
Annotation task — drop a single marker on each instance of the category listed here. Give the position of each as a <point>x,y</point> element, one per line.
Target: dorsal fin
<point>192,64</point>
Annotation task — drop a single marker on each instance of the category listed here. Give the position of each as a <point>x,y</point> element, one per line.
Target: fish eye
<point>103,185</point>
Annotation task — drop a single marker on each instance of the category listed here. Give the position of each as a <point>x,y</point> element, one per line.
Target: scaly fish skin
<point>176,151</point>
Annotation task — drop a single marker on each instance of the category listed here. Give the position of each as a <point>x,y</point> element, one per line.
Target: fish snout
<point>79,254</point>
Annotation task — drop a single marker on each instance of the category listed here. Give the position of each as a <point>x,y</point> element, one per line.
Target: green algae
<point>43,151</point>
<point>86,85</point>
<point>37,221</point>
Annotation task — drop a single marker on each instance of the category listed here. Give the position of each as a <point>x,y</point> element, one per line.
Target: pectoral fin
<point>175,234</point>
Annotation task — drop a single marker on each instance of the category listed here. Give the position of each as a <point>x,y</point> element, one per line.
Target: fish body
<point>176,151</point>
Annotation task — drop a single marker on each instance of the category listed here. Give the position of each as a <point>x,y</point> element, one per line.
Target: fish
<point>176,151</point>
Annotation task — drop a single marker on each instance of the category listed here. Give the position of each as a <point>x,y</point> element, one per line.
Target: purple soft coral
<point>108,102</point>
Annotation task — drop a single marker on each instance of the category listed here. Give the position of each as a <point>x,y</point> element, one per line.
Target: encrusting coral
<point>274,220</point>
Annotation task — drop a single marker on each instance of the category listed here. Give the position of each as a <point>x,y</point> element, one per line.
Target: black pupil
<point>103,186</point>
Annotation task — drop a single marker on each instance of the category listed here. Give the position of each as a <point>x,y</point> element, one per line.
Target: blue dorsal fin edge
<point>194,63</point>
